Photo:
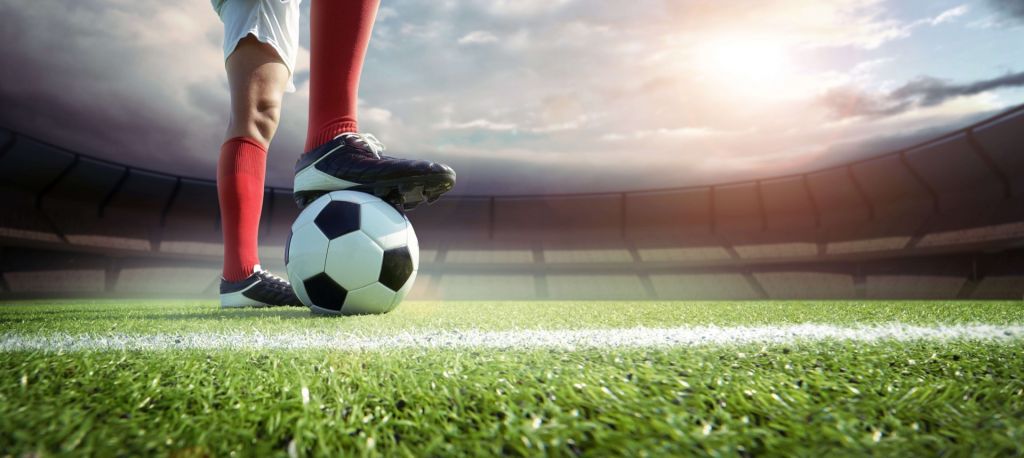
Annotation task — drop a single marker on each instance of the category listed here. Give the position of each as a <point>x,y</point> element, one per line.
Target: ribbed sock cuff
<point>328,132</point>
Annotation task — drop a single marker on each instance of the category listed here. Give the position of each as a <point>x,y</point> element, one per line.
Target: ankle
<point>238,272</point>
<point>328,132</point>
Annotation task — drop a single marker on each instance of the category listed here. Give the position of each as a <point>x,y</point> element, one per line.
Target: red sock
<point>240,174</point>
<point>339,33</point>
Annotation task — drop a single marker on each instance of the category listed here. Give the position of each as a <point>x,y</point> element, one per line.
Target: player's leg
<point>337,155</point>
<point>339,36</point>
<point>257,78</point>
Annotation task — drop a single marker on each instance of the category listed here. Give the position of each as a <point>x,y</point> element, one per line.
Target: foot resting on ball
<point>261,289</point>
<point>353,161</point>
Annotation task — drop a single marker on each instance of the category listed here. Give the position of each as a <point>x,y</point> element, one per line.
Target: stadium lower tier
<point>34,272</point>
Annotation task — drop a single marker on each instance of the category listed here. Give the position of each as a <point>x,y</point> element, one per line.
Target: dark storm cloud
<point>933,91</point>
<point>848,102</point>
<point>1011,8</point>
<point>113,83</point>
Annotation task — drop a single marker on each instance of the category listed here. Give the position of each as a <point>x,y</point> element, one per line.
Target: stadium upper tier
<point>956,194</point>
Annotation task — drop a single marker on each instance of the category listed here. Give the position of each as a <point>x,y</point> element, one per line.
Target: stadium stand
<point>712,286</point>
<point>898,199</point>
<point>788,205</point>
<point>56,281</point>
<point>738,209</point>
<point>577,255</point>
<point>958,179</point>
<point>279,212</point>
<point>428,256</point>
<point>571,218</point>
<point>424,288</point>
<point>165,280</point>
<point>839,199</point>
<point>458,219</point>
<point>595,286</point>
<point>22,220</point>
<point>1006,231</point>
<point>672,254</point>
<point>669,215</point>
<point>191,220</point>
<point>999,142</point>
<point>1000,287</point>
<point>777,250</point>
<point>867,245</point>
<point>941,219</point>
<point>913,286</point>
<point>492,287</point>
<point>489,256</point>
<point>806,285</point>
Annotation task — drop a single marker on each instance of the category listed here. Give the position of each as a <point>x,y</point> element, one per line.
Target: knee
<point>259,121</point>
<point>265,117</point>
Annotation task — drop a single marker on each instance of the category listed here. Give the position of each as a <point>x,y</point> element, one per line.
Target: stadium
<point>856,289</point>
<point>940,220</point>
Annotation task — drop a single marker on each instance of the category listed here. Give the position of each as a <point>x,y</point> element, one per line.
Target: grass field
<point>561,378</point>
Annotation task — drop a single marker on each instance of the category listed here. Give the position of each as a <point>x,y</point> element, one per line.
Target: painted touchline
<point>516,339</point>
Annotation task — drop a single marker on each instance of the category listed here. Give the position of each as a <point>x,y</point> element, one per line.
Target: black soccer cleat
<point>261,289</point>
<point>353,161</point>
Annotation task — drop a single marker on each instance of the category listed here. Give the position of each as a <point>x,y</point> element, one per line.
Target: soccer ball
<point>351,253</point>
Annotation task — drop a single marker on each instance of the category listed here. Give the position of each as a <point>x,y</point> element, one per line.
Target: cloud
<point>925,91</point>
<point>849,102</point>
<point>477,37</point>
<point>521,8</point>
<point>1013,9</point>
<point>839,23</point>
<point>122,86</point>
<point>680,133</point>
<point>949,15</point>
<point>481,124</point>
<point>928,91</point>
<point>518,95</point>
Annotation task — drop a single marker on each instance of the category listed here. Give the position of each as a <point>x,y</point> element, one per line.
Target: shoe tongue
<point>257,268</point>
<point>365,143</point>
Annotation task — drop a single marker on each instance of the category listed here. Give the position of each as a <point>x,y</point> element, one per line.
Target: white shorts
<point>274,22</point>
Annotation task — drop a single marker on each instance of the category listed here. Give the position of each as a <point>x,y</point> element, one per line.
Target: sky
<point>537,96</point>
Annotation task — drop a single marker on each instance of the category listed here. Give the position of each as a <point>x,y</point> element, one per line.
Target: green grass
<point>146,317</point>
<point>800,399</point>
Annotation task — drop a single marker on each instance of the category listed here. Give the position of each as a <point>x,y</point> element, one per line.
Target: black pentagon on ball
<point>396,269</point>
<point>324,292</point>
<point>338,219</point>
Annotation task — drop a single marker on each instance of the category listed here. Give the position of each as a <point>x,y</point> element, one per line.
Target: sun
<point>743,63</point>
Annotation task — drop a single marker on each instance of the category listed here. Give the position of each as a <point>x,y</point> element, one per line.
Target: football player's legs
<point>257,78</point>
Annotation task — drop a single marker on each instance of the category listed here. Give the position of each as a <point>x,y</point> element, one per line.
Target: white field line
<point>513,339</point>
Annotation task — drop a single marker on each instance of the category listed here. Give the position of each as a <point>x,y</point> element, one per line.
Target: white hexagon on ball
<point>384,224</point>
<point>354,260</point>
<point>352,253</point>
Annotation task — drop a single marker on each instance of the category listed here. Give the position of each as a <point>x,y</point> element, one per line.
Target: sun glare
<point>745,63</point>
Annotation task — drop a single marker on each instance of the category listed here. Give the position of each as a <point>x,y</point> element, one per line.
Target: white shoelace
<point>368,140</point>
<point>267,273</point>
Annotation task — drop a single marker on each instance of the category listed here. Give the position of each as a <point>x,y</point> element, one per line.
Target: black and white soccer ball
<point>351,253</point>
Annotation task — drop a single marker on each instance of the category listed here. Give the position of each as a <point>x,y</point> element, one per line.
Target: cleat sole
<point>404,194</point>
